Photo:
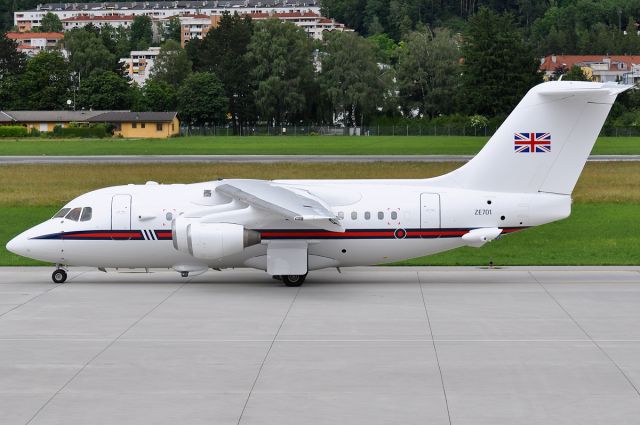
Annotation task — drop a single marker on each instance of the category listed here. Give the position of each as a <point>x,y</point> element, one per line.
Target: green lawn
<point>595,234</point>
<point>287,145</point>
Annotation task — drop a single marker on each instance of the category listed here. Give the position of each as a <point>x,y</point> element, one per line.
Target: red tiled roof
<point>283,15</point>
<point>197,16</point>
<point>31,35</point>
<point>100,18</point>
<point>548,64</point>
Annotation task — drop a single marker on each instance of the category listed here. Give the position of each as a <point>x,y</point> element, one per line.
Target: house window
<point>117,126</point>
<point>159,126</point>
<point>141,125</point>
<point>134,125</point>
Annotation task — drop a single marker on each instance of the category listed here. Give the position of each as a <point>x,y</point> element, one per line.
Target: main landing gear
<point>293,280</point>
<point>59,276</point>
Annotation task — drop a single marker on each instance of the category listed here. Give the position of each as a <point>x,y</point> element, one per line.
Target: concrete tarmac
<point>154,159</point>
<point>367,346</point>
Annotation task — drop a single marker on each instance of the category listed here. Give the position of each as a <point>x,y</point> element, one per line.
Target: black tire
<point>293,280</point>
<point>59,276</point>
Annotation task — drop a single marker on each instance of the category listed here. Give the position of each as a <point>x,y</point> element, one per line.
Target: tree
<point>351,77</point>
<point>498,67</point>
<point>280,55</point>
<point>201,99</point>
<point>172,65</point>
<point>116,40</point>
<point>87,53</point>
<point>141,33</point>
<point>105,90</point>
<point>50,23</point>
<point>224,52</point>
<point>429,73</point>
<point>44,84</point>
<point>12,61</point>
<point>576,74</point>
<point>384,47</point>
<point>157,96</point>
<point>171,29</point>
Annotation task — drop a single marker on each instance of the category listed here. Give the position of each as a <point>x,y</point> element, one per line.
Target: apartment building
<point>159,10</point>
<point>196,26</point>
<point>313,23</point>
<point>601,68</point>
<point>33,43</point>
<point>81,21</point>
<point>139,64</point>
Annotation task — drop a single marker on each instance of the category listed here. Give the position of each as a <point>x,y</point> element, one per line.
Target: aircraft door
<point>121,212</point>
<point>429,211</point>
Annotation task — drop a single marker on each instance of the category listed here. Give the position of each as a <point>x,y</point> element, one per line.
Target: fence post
<point>407,129</point>
<point>435,130</point>
<point>393,130</point>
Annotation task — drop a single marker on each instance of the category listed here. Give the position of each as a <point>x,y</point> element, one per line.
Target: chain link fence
<point>374,130</point>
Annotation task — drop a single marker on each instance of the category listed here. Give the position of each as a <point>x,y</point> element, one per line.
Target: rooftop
<point>30,35</point>
<point>227,4</point>
<point>551,62</point>
<point>85,116</point>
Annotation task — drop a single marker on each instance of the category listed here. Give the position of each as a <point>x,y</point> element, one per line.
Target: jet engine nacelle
<point>212,241</point>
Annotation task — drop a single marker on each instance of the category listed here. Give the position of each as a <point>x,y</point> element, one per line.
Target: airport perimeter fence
<point>374,130</point>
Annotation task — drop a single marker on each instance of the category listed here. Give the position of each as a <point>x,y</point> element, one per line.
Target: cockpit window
<point>74,214</point>
<point>61,213</point>
<point>86,214</point>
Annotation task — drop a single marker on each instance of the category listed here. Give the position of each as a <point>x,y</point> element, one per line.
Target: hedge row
<point>13,131</point>
<point>93,132</point>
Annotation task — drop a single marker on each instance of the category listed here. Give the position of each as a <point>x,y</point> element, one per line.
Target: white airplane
<point>523,177</point>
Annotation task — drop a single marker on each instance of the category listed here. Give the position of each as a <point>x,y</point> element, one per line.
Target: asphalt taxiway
<point>367,346</point>
<point>155,159</point>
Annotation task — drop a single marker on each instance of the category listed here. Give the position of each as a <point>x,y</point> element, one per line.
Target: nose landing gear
<point>59,276</point>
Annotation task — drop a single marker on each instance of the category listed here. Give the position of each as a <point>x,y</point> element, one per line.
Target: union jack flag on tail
<point>532,142</point>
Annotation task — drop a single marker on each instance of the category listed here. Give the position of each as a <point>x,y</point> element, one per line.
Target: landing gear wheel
<point>59,276</point>
<point>293,280</point>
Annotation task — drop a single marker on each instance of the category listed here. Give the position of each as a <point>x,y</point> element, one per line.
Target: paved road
<point>368,346</point>
<point>258,158</point>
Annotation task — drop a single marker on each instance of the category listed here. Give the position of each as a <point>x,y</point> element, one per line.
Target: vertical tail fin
<point>544,143</point>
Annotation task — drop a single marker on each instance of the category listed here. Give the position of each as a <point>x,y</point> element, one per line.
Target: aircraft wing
<point>281,201</point>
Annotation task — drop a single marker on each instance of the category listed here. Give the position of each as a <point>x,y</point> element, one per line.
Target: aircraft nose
<point>18,245</point>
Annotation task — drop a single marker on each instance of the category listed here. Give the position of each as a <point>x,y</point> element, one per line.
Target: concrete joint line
<point>584,331</point>
<point>264,360</point>
<point>435,349</point>
<point>75,375</point>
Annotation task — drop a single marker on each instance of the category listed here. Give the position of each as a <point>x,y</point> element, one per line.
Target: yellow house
<point>125,123</point>
<point>140,124</point>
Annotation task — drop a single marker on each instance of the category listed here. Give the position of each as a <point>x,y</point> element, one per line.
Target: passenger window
<point>62,213</point>
<point>367,215</point>
<point>380,215</point>
<point>74,214</point>
<point>394,215</point>
<point>86,214</point>
<point>169,216</point>
<point>354,215</point>
<point>341,215</point>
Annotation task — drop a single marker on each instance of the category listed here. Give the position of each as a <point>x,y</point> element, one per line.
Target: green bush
<point>13,131</point>
<point>97,131</point>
